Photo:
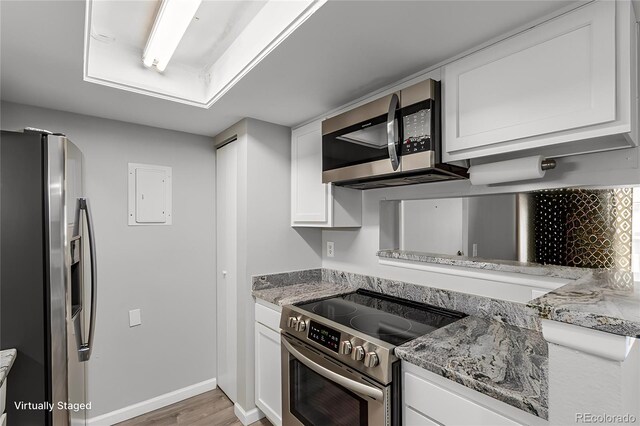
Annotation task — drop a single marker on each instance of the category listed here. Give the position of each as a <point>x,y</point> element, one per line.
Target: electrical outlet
<point>135,317</point>
<point>330,249</point>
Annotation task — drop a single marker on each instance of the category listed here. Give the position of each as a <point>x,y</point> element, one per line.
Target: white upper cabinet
<point>309,196</point>
<point>569,79</point>
<point>313,203</point>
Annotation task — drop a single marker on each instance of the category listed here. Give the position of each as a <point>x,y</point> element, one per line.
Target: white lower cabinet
<point>430,399</point>
<point>412,417</point>
<point>268,377</point>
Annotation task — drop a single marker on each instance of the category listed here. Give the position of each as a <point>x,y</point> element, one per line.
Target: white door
<point>226,276</point>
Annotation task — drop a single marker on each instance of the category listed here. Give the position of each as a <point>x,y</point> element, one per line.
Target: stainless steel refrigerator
<point>47,276</point>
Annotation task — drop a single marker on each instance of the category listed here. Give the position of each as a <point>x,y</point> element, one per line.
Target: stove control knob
<point>371,359</point>
<point>345,347</point>
<point>358,353</point>
<point>301,325</point>
<point>292,321</point>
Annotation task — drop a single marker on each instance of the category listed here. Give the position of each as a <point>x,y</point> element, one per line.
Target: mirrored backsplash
<point>587,228</point>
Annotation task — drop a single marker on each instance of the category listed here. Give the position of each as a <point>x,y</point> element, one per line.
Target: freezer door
<point>54,147</point>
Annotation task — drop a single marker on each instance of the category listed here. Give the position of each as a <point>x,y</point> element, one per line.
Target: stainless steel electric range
<point>338,364</point>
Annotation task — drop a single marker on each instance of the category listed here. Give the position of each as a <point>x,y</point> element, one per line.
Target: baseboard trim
<point>149,405</point>
<point>247,417</point>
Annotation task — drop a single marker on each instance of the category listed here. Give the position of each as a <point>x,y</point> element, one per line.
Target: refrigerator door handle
<point>84,349</point>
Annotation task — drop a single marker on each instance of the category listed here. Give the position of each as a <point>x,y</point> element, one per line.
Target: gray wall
<point>266,241</point>
<point>355,249</point>
<point>436,226</point>
<point>167,271</point>
<point>492,226</point>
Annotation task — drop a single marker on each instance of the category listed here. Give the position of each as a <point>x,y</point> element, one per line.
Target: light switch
<point>135,318</point>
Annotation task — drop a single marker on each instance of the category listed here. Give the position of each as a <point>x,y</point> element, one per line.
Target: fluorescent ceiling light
<point>174,16</point>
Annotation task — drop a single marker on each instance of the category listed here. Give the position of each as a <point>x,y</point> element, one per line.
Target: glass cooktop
<point>386,318</point>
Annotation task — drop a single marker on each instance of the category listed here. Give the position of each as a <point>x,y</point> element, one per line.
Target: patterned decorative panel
<point>588,228</point>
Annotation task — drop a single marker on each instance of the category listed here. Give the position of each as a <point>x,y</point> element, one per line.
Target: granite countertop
<point>304,292</point>
<point>512,266</point>
<point>602,300</point>
<point>499,360</point>
<point>7,357</point>
<point>503,361</point>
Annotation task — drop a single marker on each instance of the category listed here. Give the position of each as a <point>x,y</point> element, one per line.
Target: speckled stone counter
<point>602,300</point>
<point>296,293</point>
<point>287,288</point>
<point>492,354</point>
<point>284,279</point>
<point>487,264</point>
<point>513,313</point>
<point>7,357</point>
<point>505,362</point>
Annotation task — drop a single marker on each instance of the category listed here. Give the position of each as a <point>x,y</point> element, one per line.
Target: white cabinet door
<point>309,196</point>
<point>557,76</point>
<point>313,203</point>
<point>268,380</point>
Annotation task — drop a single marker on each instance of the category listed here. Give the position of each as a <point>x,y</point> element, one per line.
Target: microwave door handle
<point>391,132</point>
<point>84,352</point>
<point>345,382</point>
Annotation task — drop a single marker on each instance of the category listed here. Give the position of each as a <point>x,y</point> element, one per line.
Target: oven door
<point>317,390</point>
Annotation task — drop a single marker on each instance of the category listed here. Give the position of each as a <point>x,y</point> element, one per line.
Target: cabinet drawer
<point>413,418</point>
<point>446,407</point>
<point>268,317</point>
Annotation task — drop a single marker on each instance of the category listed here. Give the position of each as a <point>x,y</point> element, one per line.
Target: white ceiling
<point>215,26</point>
<point>344,51</point>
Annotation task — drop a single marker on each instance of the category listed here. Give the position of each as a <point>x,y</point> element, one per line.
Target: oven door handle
<point>352,385</point>
<point>391,132</point>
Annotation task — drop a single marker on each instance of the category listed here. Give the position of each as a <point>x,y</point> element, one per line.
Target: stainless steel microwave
<point>394,140</point>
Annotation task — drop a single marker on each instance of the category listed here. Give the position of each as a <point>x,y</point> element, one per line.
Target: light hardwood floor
<point>207,409</point>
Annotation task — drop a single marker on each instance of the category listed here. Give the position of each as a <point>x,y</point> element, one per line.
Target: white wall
<point>167,271</point>
<point>355,249</point>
